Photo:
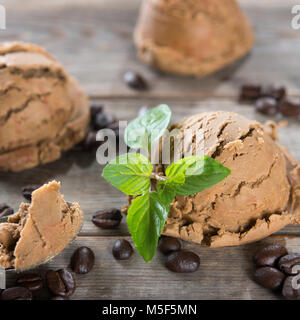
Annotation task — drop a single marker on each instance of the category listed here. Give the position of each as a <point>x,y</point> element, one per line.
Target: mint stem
<point>157,177</point>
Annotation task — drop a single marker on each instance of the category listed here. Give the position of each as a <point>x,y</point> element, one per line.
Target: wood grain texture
<point>225,273</point>
<point>93,39</point>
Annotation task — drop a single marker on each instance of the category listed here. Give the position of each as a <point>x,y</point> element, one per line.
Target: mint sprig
<point>133,174</point>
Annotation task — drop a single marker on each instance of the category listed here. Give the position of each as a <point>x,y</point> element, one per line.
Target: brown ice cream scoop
<point>40,230</point>
<point>192,37</point>
<point>259,197</point>
<point>43,111</point>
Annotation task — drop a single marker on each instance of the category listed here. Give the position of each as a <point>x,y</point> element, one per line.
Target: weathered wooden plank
<point>225,273</point>
<point>80,174</point>
<point>93,39</point>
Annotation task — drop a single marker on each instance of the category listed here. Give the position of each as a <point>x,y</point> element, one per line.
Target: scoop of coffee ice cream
<point>192,37</point>
<point>259,197</point>
<point>40,230</point>
<point>43,111</point>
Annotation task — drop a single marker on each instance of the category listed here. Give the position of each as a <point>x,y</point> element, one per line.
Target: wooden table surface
<point>93,39</point>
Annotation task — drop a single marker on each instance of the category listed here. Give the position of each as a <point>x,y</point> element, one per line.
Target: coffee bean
<point>27,191</point>
<point>102,121</point>
<point>289,290</point>
<point>58,298</point>
<point>269,277</point>
<point>95,108</point>
<point>107,219</point>
<point>135,81</point>
<point>286,263</point>
<point>82,260</point>
<point>122,250</point>
<point>290,107</point>
<point>268,256</point>
<point>16,293</point>
<point>115,127</point>
<point>90,141</point>
<point>167,245</point>
<point>277,92</point>
<point>267,106</point>
<point>33,282</point>
<point>183,262</point>
<point>5,210</point>
<point>61,282</point>
<point>250,92</point>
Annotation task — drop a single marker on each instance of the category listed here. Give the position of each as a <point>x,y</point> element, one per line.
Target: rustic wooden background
<point>93,39</point>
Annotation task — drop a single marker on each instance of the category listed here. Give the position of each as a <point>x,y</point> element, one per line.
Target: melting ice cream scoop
<point>40,230</point>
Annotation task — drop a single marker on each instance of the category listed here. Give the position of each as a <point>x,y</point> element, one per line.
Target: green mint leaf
<point>167,194</point>
<point>146,218</point>
<point>142,131</point>
<point>129,173</point>
<point>201,172</point>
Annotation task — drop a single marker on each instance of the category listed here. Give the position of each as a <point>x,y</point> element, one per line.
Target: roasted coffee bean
<point>290,290</point>
<point>103,120</point>
<point>107,219</point>
<point>269,277</point>
<point>5,210</point>
<point>287,263</point>
<point>277,92</point>
<point>27,191</point>
<point>90,141</point>
<point>115,127</point>
<point>122,250</point>
<point>82,260</point>
<point>135,81</point>
<point>183,262</point>
<point>250,92</point>
<point>267,106</point>
<point>167,245</point>
<point>16,293</point>
<point>290,107</point>
<point>268,256</point>
<point>33,282</point>
<point>58,298</point>
<point>95,108</point>
<point>61,282</point>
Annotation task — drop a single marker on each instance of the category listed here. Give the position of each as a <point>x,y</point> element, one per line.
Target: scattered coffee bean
<point>250,92</point>
<point>183,262</point>
<point>122,250</point>
<point>61,282</point>
<point>135,81</point>
<point>90,141</point>
<point>58,298</point>
<point>27,191</point>
<point>82,260</point>
<point>16,293</point>
<point>107,219</point>
<point>33,282</point>
<point>277,92</point>
<point>267,106</point>
<point>287,263</point>
<point>290,107</point>
<point>5,210</point>
<point>103,120</point>
<point>96,108</point>
<point>269,277</point>
<point>115,127</point>
<point>289,290</point>
<point>268,256</point>
<point>167,245</point>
